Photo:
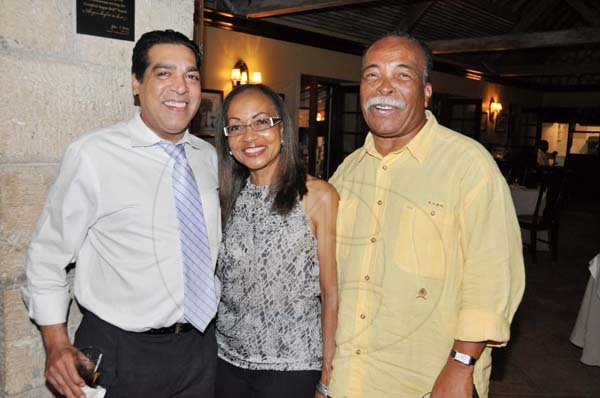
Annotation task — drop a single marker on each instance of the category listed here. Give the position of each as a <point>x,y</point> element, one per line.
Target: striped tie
<point>199,298</point>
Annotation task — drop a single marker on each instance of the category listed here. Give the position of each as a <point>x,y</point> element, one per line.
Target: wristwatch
<point>462,358</point>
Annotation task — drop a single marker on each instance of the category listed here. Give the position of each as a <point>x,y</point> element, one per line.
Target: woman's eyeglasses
<point>262,124</point>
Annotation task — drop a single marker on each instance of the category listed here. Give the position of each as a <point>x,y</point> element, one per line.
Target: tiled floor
<point>540,361</point>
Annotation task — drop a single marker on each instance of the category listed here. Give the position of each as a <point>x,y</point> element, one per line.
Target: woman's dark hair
<point>289,183</point>
<point>139,59</point>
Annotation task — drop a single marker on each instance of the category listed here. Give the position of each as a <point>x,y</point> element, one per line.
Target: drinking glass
<point>89,360</point>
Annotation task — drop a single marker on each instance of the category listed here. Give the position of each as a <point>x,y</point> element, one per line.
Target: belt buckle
<point>178,328</point>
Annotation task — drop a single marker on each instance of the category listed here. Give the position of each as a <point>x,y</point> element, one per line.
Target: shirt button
<point>432,213</point>
<point>367,277</point>
<point>379,202</point>
<point>362,316</point>
<point>373,239</point>
<point>384,167</point>
<point>357,352</point>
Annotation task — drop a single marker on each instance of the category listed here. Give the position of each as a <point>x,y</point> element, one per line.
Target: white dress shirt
<point>111,210</point>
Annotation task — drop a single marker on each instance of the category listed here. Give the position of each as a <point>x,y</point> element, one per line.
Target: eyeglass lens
<point>256,125</point>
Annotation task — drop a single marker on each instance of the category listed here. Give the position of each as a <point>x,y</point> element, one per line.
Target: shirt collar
<point>142,135</point>
<point>418,147</point>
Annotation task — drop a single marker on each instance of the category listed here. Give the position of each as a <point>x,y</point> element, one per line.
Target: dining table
<point>586,332</point>
<point>524,200</point>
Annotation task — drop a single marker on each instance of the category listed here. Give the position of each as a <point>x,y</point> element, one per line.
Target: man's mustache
<point>385,101</point>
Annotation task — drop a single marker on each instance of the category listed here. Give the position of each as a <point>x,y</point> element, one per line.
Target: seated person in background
<point>552,158</point>
<point>542,153</point>
<point>277,317</point>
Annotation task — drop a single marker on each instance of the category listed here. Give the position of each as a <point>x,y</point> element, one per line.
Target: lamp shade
<point>495,107</point>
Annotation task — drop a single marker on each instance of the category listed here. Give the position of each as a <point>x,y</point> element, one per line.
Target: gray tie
<point>199,298</point>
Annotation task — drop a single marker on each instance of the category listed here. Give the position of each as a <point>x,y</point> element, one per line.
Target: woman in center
<point>278,311</point>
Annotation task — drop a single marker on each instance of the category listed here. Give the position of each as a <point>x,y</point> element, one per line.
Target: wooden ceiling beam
<point>415,12</point>
<point>516,5</point>
<point>590,15</point>
<point>271,8</point>
<point>548,70</point>
<point>557,38</point>
<point>525,22</point>
<point>528,18</point>
<point>497,8</point>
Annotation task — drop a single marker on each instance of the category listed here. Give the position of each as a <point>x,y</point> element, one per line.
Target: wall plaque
<point>106,18</point>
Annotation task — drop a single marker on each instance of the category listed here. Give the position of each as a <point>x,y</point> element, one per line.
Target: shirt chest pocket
<point>419,245</point>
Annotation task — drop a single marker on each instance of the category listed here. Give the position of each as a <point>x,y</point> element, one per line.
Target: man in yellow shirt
<point>429,247</point>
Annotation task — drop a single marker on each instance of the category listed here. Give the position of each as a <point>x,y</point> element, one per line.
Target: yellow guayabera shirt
<point>429,251</point>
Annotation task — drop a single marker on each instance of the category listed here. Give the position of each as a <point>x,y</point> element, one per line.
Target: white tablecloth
<point>586,333</point>
<point>524,200</point>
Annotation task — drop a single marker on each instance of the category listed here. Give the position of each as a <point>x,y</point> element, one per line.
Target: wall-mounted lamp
<point>495,109</point>
<point>256,78</point>
<point>239,74</point>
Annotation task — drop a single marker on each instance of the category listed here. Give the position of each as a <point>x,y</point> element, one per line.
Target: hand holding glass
<point>88,361</point>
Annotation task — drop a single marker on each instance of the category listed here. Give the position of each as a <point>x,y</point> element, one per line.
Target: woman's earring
<point>230,153</point>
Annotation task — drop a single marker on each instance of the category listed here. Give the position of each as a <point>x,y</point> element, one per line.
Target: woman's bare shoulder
<point>321,190</point>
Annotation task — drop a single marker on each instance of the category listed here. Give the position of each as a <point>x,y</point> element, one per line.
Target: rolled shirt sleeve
<point>490,238</point>
<point>70,209</point>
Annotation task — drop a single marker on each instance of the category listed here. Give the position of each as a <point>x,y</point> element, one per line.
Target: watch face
<point>464,358</point>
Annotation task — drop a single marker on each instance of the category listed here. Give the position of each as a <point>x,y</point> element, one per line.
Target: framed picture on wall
<point>204,123</point>
<point>501,121</point>
<point>483,122</point>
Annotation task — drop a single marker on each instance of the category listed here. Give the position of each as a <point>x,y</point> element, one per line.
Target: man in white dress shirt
<point>112,212</point>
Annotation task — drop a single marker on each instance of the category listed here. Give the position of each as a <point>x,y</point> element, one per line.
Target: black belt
<point>177,328</point>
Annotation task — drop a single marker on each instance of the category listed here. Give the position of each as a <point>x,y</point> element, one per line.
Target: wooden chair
<point>546,215</point>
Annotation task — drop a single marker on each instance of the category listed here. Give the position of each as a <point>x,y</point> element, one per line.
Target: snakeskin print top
<point>269,317</point>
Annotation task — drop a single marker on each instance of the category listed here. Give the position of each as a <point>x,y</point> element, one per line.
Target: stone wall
<point>56,84</point>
